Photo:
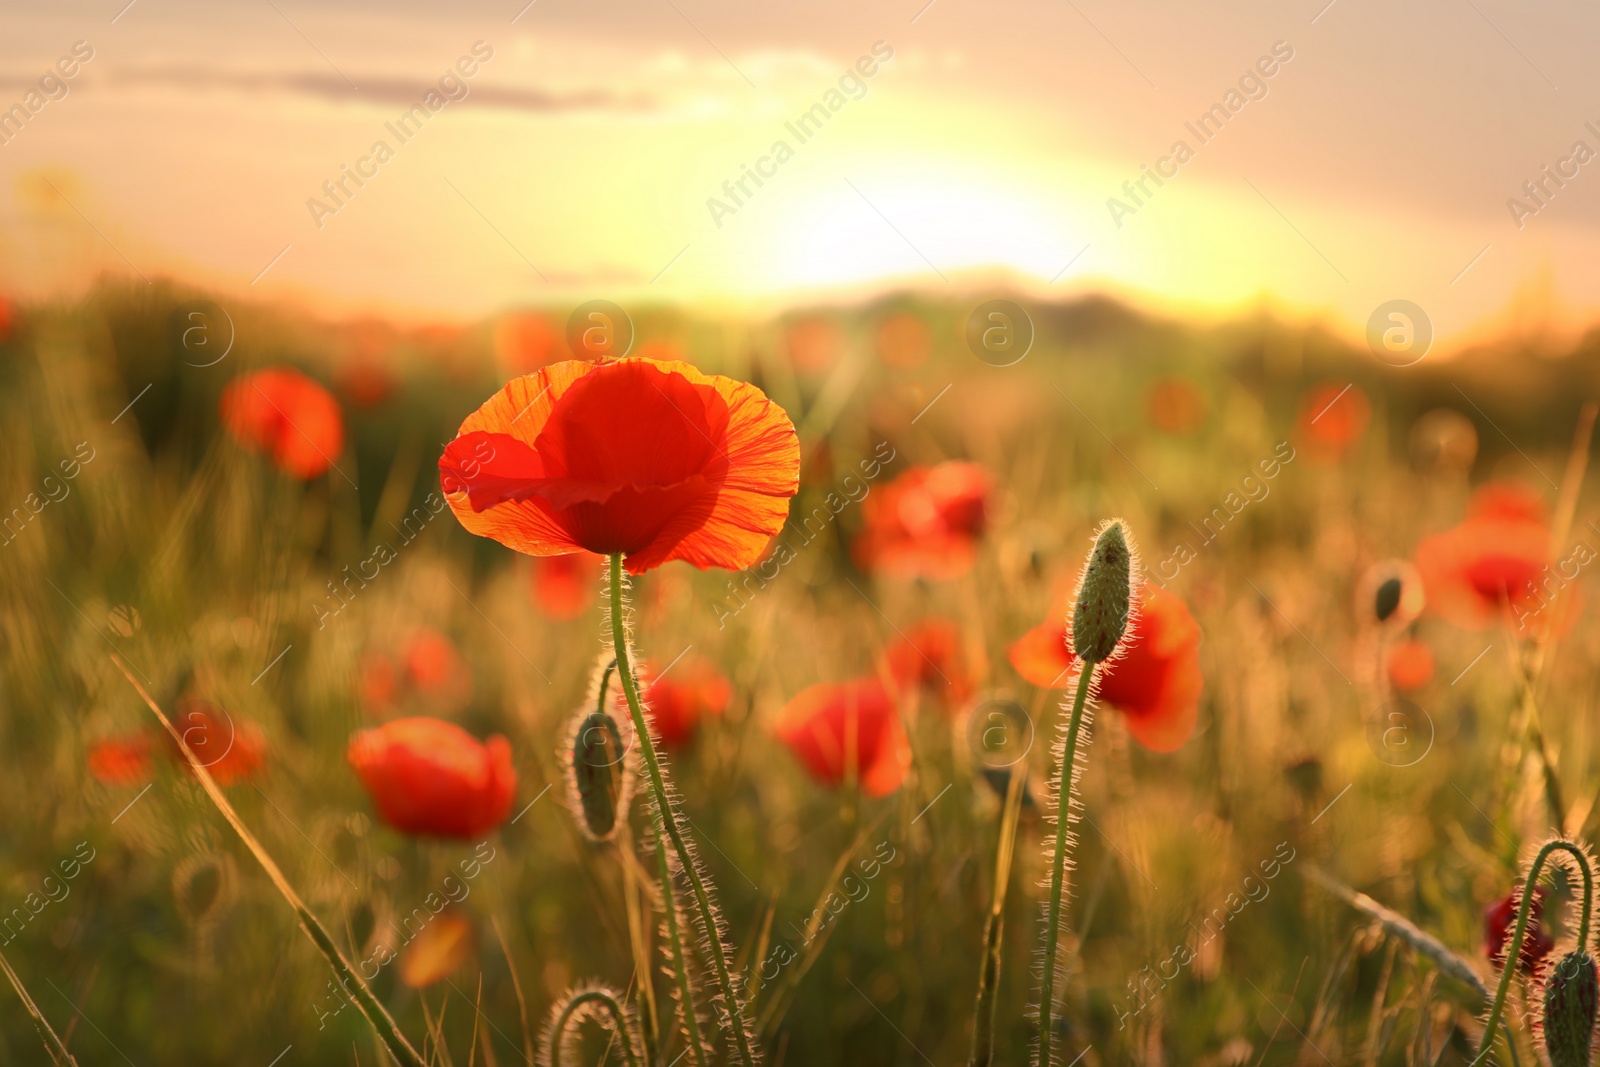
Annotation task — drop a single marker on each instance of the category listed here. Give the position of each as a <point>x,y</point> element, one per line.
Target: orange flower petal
<point>440,949</point>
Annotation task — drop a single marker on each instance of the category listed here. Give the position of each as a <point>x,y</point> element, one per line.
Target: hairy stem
<point>731,1004</point>
<point>619,1025</point>
<point>989,974</point>
<point>680,958</point>
<point>1514,947</point>
<point>1058,864</point>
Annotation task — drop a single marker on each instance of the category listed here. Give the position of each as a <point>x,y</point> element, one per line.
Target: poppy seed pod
<point>598,779</point>
<point>1100,616</point>
<point>1570,997</point>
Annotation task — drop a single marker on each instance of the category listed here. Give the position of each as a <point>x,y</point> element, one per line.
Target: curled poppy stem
<point>383,1023</point>
<point>732,1006</point>
<point>680,956</point>
<point>581,1002</point>
<point>1058,865</point>
<point>1514,948</point>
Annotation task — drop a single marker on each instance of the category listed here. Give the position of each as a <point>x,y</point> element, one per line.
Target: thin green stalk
<point>1514,947</point>
<point>989,975</point>
<point>649,1030</point>
<point>52,1043</point>
<point>619,1024</point>
<point>376,1014</point>
<point>732,1005</point>
<point>1052,929</point>
<point>680,958</point>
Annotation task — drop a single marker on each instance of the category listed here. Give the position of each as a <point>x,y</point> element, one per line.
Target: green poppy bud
<point>1100,617</point>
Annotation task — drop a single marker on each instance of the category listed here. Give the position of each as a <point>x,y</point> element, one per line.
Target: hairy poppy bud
<point>598,779</point>
<point>1100,617</point>
<point>1570,997</point>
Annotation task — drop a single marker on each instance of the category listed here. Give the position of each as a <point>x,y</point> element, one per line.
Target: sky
<point>1359,153</point>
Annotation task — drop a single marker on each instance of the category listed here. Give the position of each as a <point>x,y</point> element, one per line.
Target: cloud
<point>373,91</point>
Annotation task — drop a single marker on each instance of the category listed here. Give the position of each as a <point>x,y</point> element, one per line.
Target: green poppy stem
<point>1514,948</point>
<point>1052,929</point>
<point>732,1006</point>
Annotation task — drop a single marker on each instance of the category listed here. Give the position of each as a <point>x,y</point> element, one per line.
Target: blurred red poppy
<point>232,749</point>
<point>654,460</point>
<point>926,523</point>
<point>432,662</point>
<point>524,343</point>
<point>8,318</point>
<point>814,345</point>
<point>379,681</point>
<point>438,950</point>
<point>122,760</point>
<point>904,341</point>
<point>930,655</point>
<point>834,728</point>
<point>1156,682</point>
<point>1410,665</point>
<point>365,381</point>
<point>427,776</point>
<point>1500,921</point>
<point>1492,561</point>
<point>677,701</point>
<point>1332,418</point>
<point>1175,405</point>
<point>286,415</point>
<point>565,586</point>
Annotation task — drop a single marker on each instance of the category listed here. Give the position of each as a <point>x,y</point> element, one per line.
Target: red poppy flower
<point>232,749</point>
<point>654,460</point>
<point>930,655</point>
<point>427,776</point>
<point>832,728</point>
<point>1494,560</point>
<point>1500,921</point>
<point>1155,683</point>
<point>7,318</point>
<point>1176,405</point>
<point>432,662</point>
<point>1332,418</point>
<point>122,760</point>
<point>565,586</point>
<point>926,523</point>
<point>677,701</point>
<point>286,415</point>
<point>1410,665</point>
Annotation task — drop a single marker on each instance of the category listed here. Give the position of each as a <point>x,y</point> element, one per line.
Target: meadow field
<point>1358,695</point>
